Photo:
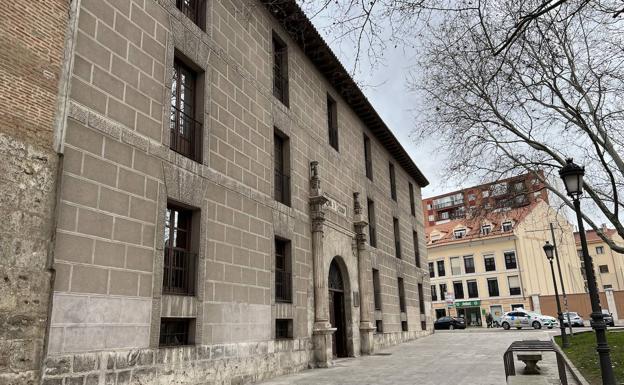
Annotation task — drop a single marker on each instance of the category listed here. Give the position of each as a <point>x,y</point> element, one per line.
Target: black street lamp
<point>572,175</point>
<point>548,249</point>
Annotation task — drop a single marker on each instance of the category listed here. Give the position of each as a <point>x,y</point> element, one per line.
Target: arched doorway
<point>337,315</point>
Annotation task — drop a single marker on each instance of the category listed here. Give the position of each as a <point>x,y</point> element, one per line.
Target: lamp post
<point>548,249</point>
<point>572,175</point>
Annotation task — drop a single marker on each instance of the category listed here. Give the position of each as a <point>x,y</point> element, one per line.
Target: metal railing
<point>186,134</point>
<point>282,187</point>
<point>179,272</point>
<point>283,286</point>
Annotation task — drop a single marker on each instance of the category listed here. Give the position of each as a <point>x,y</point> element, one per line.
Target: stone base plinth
<point>322,340</point>
<point>367,339</point>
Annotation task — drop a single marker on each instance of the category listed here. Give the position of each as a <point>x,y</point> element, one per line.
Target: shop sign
<point>473,303</point>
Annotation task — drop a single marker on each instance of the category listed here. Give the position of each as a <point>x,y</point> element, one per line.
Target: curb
<point>575,372</point>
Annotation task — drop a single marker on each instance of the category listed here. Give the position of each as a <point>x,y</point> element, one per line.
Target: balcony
<point>179,272</point>
<point>186,134</point>
<point>283,286</point>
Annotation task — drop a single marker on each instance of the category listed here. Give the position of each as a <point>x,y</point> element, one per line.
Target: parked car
<point>520,318</point>
<point>608,317</point>
<point>449,323</point>
<point>575,319</point>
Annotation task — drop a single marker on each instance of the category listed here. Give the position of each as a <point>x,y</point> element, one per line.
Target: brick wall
<point>31,42</point>
<point>119,173</point>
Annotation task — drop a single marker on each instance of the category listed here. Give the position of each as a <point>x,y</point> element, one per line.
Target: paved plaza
<point>457,357</point>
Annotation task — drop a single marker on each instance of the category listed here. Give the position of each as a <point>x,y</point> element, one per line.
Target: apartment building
<point>608,265</point>
<point>230,207</point>
<point>493,262</point>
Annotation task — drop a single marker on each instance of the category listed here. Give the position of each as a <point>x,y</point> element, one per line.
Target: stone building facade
<point>230,206</point>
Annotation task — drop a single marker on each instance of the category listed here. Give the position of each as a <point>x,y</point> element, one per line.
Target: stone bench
<point>530,360</point>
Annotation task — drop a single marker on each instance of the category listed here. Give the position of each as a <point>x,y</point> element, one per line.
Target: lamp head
<point>572,176</point>
<point>548,250</point>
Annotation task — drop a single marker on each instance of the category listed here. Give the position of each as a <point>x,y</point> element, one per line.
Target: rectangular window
<point>368,158</point>
<point>455,266</point>
<point>281,159</point>
<point>283,329</point>
<point>458,288</point>
<point>599,249</point>
<point>393,193</point>
<point>469,266</point>
<point>442,291</point>
<point>604,269</point>
<point>379,326</point>
<point>514,285</point>
<point>490,263</point>
<point>416,248</point>
<point>423,325</point>
<point>507,226</point>
<point>175,331</point>
<point>283,269</point>
<point>397,237</point>
<point>459,233</point>
<point>179,263</point>
<point>194,10</point>
<point>402,306</point>
<point>332,122</point>
<point>486,229</point>
<point>372,232</point>
<point>510,260</point>
<point>404,326</point>
<point>441,271</point>
<point>607,287</point>
<point>473,290</point>
<point>412,201</point>
<point>493,287</point>
<point>185,129</point>
<point>431,270</point>
<point>280,70</point>
<point>377,289</point>
<point>421,299</point>
<point>434,293</point>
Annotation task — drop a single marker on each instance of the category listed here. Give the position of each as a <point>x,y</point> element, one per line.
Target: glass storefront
<point>472,315</point>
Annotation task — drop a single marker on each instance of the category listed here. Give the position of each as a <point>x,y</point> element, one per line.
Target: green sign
<point>473,303</point>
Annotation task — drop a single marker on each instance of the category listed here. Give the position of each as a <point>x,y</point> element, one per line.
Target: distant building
<point>608,265</point>
<point>492,260</point>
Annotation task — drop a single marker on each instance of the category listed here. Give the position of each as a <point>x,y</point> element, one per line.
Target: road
<point>471,357</point>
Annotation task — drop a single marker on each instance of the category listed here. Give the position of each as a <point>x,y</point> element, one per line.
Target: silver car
<point>575,319</point>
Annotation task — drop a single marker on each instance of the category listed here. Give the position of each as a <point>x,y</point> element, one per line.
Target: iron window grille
<point>280,70</point>
<point>376,289</point>
<point>283,276</point>
<point>368,157</point>
<point>421,299</point>
<point>174,331</point>
<point>194,10</point>
<point>179,261</point>
<point>493,287</point>
<point>185,130</point>
<point>393,192</point>
<point>281,178</point>
<point>416,249</point>
<point>372,231</point>
<point>412,201</point>
<point>397,238</point>
<point>402,305</point>
<point>332,122</point>
<point>510,260</point>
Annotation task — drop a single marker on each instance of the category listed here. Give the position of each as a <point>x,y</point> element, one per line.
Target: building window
<point>459,233</point>
<point>185,129</point>
<point>510,260</point>
<point>442,291</point>
<point>179,263</point>
<point>490,263</point>
<point>378,326</point>
<point>377,289</point>
<point>514,285</point>
<point>397,237</point>
<point>486,229</point>
<point>332,122</point>
<point>473,290</point>
<point>416,248</point>
<point>603,269</point>
<point>455,266</point>
<point>281,157</point>
<point>423,325</point>
<point>607,287</point>
<point>431,218</point>
<point>372,232</point>
<point>280,70</point>
<point>458,288</point>
<point>431,270</point>
<point>441,271</point>
<point>434,293</point>
<point>412,200</point>
<point>402,306</point>
<point>194,10</point>
<point>283,329</point>
<point>283,271</point>
<point>469,266</point>
<point>493,287</point>
<point>599,249</point>
<point>368,158</point>
<point>421,299</point>
<point>507,226</point>
<point>404,326</point>
<point>175,331</point>
<point>393,193</point>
